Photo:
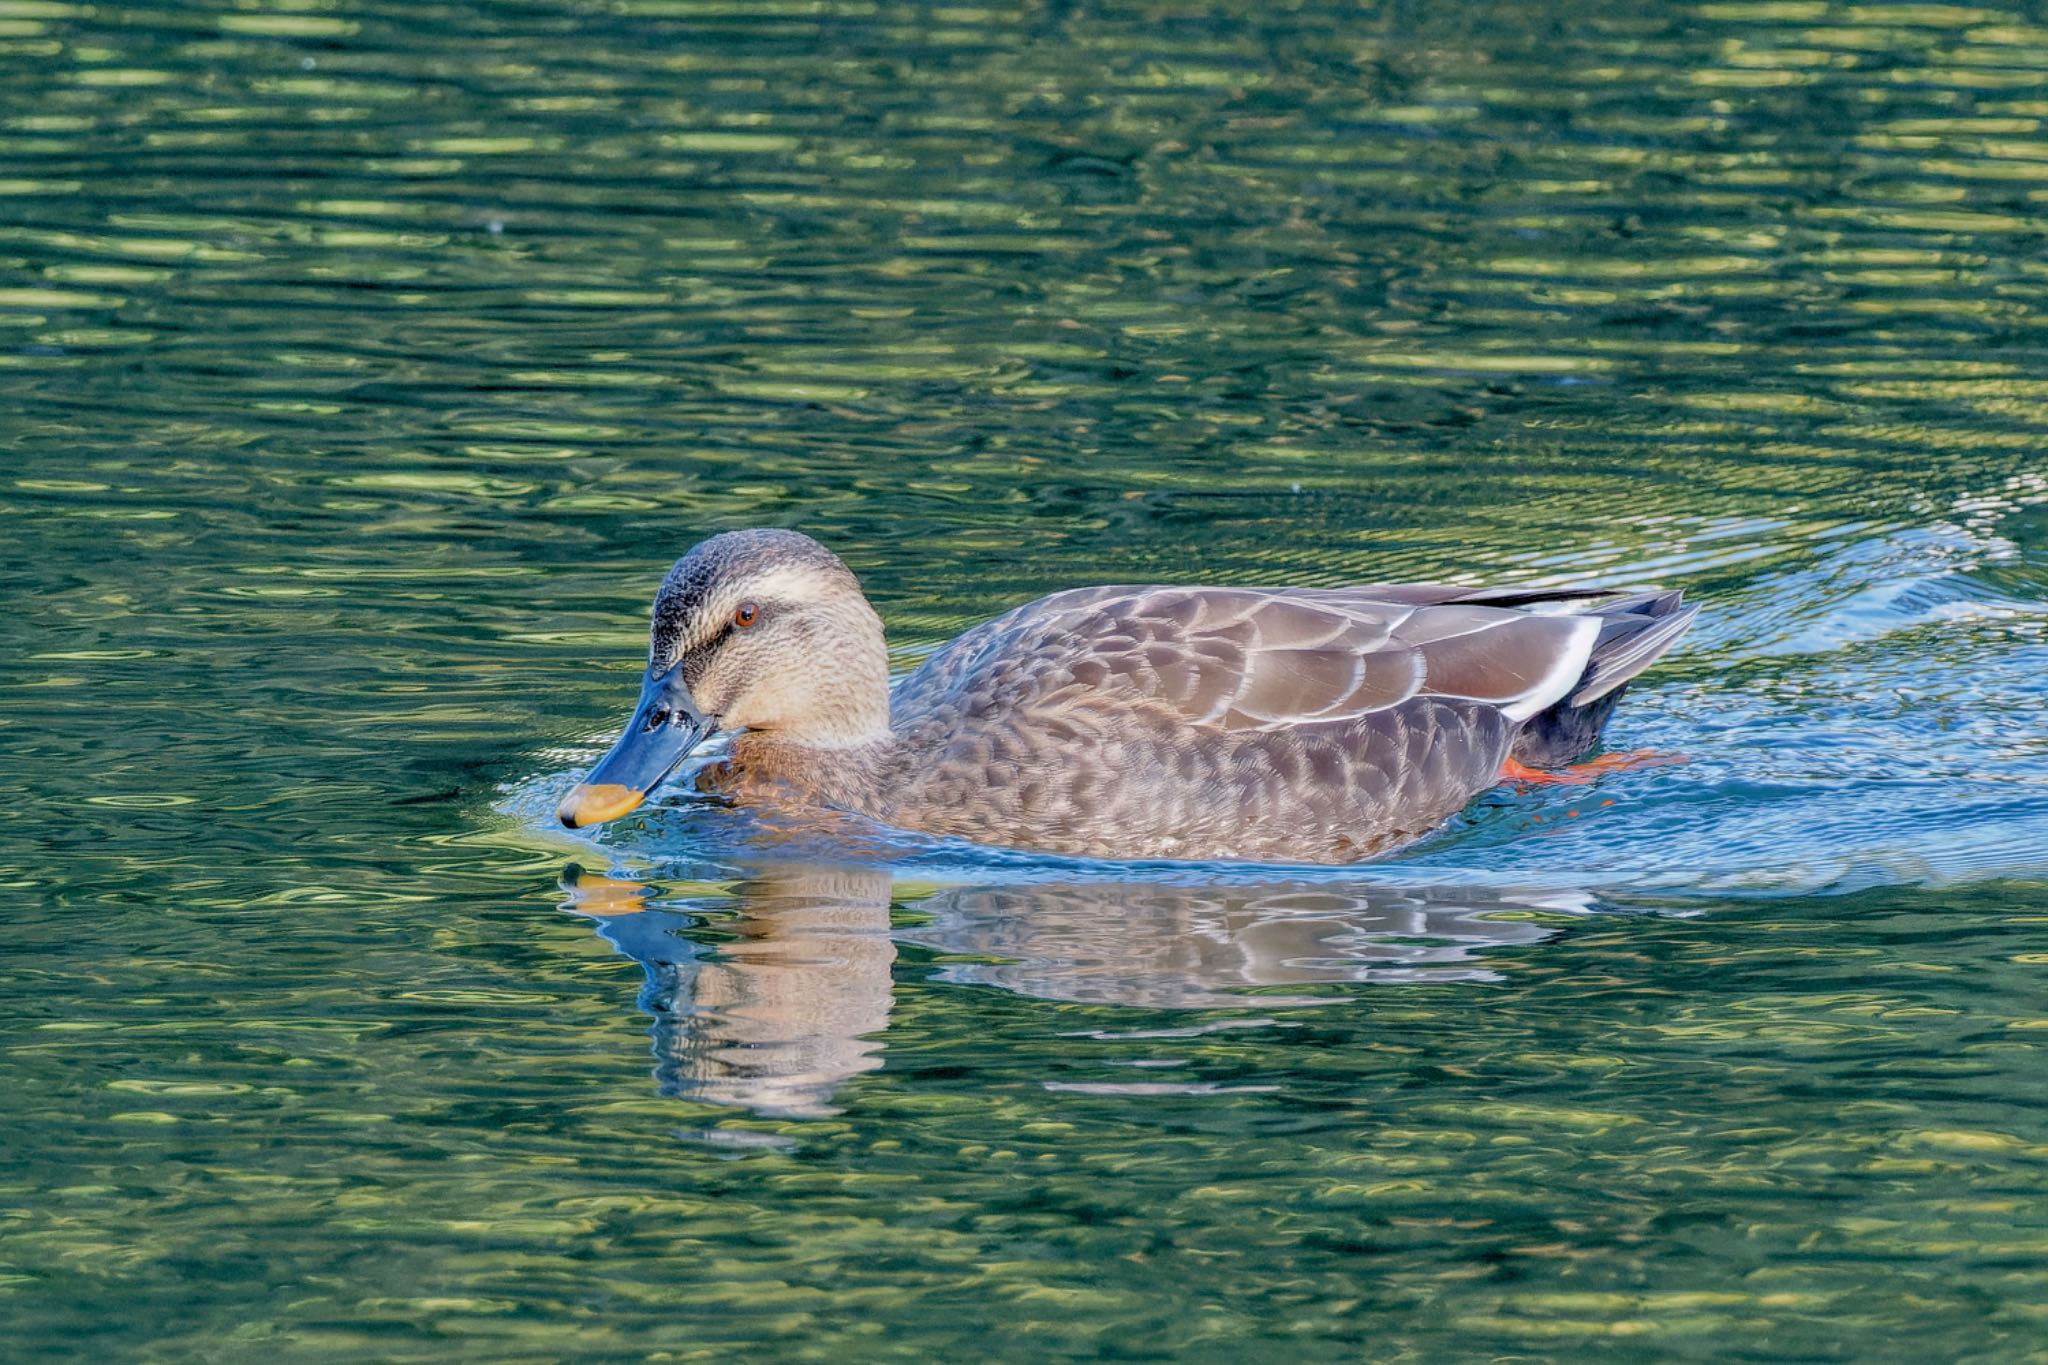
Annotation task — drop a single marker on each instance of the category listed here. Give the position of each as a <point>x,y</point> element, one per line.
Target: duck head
<point>753,630</point>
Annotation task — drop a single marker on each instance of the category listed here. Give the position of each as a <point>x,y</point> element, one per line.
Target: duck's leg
<point>1578,774</point>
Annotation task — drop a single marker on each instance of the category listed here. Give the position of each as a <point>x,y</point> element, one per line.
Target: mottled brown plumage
<point>1281,724</point>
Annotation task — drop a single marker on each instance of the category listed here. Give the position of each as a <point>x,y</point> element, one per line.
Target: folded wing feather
<point>1248,659</point>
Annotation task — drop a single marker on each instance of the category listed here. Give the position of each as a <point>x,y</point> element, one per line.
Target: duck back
<point>1299,725</point>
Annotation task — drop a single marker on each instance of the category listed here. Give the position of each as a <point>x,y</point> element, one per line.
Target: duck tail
<point>1635,631</point>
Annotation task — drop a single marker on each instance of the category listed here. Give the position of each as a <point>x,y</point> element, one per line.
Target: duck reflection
<point>776,1015</point>
<point>1204,947</point>
<point>771,998</point>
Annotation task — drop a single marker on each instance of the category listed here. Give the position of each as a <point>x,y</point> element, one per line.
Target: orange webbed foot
<point>1578,774</point>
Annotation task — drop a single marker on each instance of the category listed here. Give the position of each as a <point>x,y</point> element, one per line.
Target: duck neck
<point>768,766</point>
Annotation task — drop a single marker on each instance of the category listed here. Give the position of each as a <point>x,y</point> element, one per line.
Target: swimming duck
<point>1319,725</point>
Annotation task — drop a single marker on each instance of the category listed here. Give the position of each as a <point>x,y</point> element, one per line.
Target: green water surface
<point>363,366</point>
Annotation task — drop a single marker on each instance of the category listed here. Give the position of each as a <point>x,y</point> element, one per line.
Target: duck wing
<point>1263,659</point>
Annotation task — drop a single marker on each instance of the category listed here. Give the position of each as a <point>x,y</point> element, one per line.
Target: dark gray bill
<point>664,728</point>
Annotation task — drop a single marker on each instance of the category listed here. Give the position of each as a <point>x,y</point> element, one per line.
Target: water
<point>363,367</point>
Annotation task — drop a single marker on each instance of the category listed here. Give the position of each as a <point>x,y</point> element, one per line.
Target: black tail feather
<point>1634,632</point>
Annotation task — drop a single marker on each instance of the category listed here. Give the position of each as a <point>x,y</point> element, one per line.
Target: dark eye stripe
<point>760,614</point>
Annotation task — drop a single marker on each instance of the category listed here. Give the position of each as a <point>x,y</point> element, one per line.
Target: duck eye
<point>747,614</point>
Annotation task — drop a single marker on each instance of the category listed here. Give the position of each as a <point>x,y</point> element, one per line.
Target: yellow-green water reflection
<point>362,366</point>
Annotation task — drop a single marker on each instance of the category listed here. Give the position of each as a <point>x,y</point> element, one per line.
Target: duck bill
<point>665,727</point>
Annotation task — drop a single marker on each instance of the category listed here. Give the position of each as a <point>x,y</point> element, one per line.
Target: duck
<point>1308,725</point>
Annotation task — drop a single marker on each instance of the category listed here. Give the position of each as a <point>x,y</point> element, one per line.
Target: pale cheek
<point>772,679</point>
<point>717,692</point>
<point>742,688</point>
<point>732,680</point>
<point>765,705</point>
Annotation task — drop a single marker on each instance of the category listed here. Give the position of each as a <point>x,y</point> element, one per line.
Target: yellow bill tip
<point>593,803</point>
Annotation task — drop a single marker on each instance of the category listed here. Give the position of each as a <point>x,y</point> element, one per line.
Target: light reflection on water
<point>791,997</point>
<point>362,366</point>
